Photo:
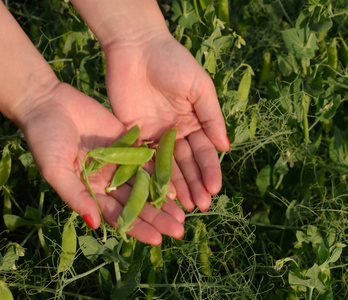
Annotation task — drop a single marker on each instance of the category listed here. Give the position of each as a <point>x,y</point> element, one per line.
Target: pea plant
<point>278,227</point>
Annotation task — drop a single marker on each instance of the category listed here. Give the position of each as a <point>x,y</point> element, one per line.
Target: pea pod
<point>69,244</point>
<point>122,155</point>
<point>126,140</point>
<point>163,168</point>
<point>135,203</point>
<point>266,68</point>
<point>204,251</point>
<point>223,12</point>
<point>343,52</point>
<point>332,60</point>
<point>122,175</point>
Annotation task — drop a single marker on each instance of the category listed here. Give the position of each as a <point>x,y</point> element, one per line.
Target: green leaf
<point>12,222</point>
<point>131,280</point>
<point>105,282</point>
<point>300,43</point>
<point>5,292</point>
<point>5,166</point>
<point>184,13</point>
<point>90,247</point>
<point>338,148</point>
<point>264,179</point>
<point>12,253</point>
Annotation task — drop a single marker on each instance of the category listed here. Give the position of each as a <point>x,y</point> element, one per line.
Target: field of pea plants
<point>278,229</point>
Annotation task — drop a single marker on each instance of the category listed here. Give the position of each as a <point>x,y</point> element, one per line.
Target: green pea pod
<point>204,251</point>
<point>122,155</point>
<point>245,84</point>
<point>69,243</point>
<point>5,166</point>
<point>135,203</point>
<point>122,175</point>
<point>5,292</point>
<point>163,168</point>
<point>343,52</point>
<point>332,60</point>
<point>266,68</point>
<point>126,140</point>
<point>223,12</point>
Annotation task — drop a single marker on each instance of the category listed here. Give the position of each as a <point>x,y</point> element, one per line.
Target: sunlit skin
<point>152,81</point>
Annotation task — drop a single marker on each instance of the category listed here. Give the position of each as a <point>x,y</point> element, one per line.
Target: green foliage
<point>277,230</point>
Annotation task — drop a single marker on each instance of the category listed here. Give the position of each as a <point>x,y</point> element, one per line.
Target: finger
<point>112,207</point>
<point>183,192</point>
<point>209,114</point>
<point>189,168</point>
<point>174,210</point>
<point>207,160</point>
<point>74,193</point>
<point>160,221</point>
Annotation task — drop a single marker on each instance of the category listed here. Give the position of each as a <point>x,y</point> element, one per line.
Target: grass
<point>278,228</point>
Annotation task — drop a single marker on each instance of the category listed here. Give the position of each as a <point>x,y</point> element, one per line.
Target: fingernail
<point>228,140</point>
<point>88,220</point>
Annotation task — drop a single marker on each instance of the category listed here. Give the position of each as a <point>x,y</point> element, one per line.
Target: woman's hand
<point>155,82</point>
<point>59,131</point>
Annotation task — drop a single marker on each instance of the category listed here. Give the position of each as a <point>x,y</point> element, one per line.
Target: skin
<point>152,81</point>
<point>52,116</point>
<point>164,86</point>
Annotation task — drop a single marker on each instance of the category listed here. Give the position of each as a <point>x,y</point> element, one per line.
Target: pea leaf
<point>105,282</point>
<point>264,179</point>
<point>338,148</point>
<point>5,292</point>
<point>300,43</point>
<point>184,13</point>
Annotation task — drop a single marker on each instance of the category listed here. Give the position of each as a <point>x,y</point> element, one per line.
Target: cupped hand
<point>155,82</point>
<point>59,131</point>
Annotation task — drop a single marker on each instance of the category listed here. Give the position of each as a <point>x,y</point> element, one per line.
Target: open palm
<point>159,84</point>
<point>59,133</point>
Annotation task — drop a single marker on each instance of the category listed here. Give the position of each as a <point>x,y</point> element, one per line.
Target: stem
<point>53,291</point>
<point>28,236</point>
<point>285,13</point>
<point>85,179</point>
<point>77,277</point>
<point>281,227</point>
<point>41,203</point>
<point>118,274</point>
<point>5,188</point>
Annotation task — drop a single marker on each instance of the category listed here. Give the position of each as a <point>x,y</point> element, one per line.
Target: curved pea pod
<point>122,155</point>
<point>204,251</point>
<point>135,203</point>
<point>160,179</point>
<point>69,243</point>
<point>126,140</point>
<point>5,292</point>
<point>121,176</point>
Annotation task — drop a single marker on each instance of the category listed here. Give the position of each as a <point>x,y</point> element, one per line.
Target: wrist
<point>122,22</point>
<point>36,89</point>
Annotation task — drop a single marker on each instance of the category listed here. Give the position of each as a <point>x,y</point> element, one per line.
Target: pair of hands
<point>156,86</point>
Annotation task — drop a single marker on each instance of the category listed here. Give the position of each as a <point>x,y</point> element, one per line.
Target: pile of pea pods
<point>130,160</point>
